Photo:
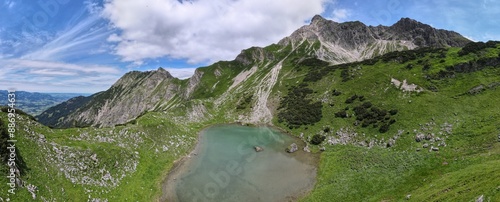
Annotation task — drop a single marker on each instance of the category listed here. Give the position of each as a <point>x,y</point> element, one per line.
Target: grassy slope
<point>353,173</point>
<point>143,184</point>
<point>346,173</point>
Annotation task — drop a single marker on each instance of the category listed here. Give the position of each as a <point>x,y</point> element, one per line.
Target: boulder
<point>306,148</point>
<point>480,199</point>
<point>419,137</point>
<point>258,149</point>
<point>390,143</point>
<point>292,148</point>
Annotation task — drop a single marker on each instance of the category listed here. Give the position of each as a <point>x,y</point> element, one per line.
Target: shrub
<point>345,75</point>
<point>384,128</point>
<point>341,114</point>
<point>297,110</point>
<point>351,99</point>
<point>367,105</point>
<point>336,93</point>
<point>475,47</point>
<point>426,67</point>
<point>317,139</point>
<point>361,98</point>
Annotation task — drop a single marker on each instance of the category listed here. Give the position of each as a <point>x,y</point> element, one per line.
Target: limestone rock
<point>292,148</point>
<point>306,149</point>
<point>419,137</point>
<point>258,149</point>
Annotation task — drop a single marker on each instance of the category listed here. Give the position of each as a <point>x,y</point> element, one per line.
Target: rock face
<point>132,95</point>
<point>354,41</point>
<point>292,148</point>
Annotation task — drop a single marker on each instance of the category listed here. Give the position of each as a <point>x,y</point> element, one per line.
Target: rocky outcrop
<point>132,95</point>
<point>292,148</point>
<point>193,83</point>
<point>425,35</point>
<point>354,41</point>
<point>258,149</point>
<point>254,55</point>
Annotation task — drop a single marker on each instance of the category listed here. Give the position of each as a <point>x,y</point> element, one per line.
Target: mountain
<point>132,95</point>
<point>136,93</point>
<point>419,124</point>
<point>354,41</point>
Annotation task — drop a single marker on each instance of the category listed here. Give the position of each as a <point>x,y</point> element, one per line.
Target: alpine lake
<point>226,166</point>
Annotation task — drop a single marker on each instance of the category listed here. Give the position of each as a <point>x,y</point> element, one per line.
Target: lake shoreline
<point>181,165</point>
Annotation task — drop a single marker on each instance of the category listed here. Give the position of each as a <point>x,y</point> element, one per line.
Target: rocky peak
<point>408,24</point>
<point>137,76</point>
<point>425,35</point>
<point>354,41</point>
<point>254,54</point>
<point>318,19</point>
<point>163,72</point>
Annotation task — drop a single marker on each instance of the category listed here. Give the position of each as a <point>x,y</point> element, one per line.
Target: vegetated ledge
<point>467,67</point>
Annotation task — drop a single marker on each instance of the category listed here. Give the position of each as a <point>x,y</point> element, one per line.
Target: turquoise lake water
<point>226,167</point>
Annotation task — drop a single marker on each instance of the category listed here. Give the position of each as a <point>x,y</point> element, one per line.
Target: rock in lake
<point>258,149</point>
<point>292,148</point>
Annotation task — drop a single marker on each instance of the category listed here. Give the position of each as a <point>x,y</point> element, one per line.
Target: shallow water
<point>227,167</point>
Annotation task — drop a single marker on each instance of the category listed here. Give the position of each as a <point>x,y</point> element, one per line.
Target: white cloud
<point>47,76</point>
<point>470,38</point>
<point>181,73</point>
<point>81,38</point>
<point>202,31</point>
<point>340,15</point>
<point>10,4</point>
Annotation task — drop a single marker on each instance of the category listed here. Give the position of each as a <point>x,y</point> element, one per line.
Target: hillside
<point>417,125</point>
<point>136,92</point>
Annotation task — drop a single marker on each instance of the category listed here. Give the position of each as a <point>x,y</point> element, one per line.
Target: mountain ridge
<point>330,41</point>
<point>354,41</point>
<point>417,125</point>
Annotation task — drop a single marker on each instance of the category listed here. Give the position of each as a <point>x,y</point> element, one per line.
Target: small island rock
<point>258,149</point>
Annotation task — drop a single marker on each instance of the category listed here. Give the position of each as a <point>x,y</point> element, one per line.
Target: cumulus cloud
<point>339,15</point>
<point>202,31</point>
<point>181,73</point>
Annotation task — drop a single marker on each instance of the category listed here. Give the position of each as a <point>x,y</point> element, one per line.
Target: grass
<point>462,171</point>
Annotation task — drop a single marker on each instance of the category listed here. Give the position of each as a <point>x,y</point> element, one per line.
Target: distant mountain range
<point>35,103</point>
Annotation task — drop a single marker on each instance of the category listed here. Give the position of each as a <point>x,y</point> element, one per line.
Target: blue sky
<point>85,46</point>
